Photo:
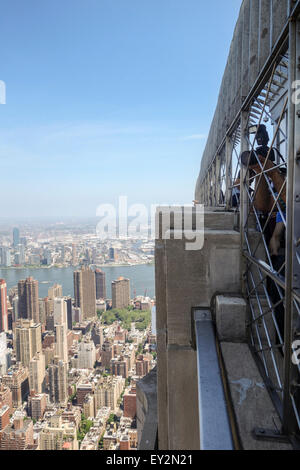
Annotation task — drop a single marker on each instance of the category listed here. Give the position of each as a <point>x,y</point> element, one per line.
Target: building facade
<point>28,293</point>
<point>120,291</point>
<point>3,306</point>
<point>100,284</point>
<point>85,293</point>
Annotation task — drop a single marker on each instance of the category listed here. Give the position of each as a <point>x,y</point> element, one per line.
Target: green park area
<point>141,318</point>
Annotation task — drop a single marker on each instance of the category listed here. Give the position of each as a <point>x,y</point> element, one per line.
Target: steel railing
<point>214,422</point>
<point>266,193</point>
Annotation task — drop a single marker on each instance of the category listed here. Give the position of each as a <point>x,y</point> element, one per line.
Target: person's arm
<point>262,195</point>
<point>276,238</point>
<point>236,184</point>
<point>278,179</point>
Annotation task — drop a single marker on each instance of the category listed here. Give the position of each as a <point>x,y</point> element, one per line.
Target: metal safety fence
<point>256,172</point>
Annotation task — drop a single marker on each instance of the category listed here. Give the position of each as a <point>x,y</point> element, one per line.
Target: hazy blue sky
<point>107,98</point>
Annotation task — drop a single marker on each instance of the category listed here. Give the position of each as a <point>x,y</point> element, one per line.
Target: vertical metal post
<point>228,157</point>
<point>215,180</point>
<point>293,213</point>
<point>296,171</point>
<point>207,189</point>
<point>210,187</point>
<point>218,179</point>
<point>244,203</point>
<point>243,196</point>
<point>213,183</point>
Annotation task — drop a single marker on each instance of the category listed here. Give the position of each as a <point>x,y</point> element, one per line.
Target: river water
<point>141,278</point>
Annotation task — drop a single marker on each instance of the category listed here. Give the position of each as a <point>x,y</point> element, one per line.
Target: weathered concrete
<point>187,279</point>
<point>161,328</point>
<point>265,31</point>
<point>231,315</point>
<point>183,412</point>
<point>254,41</point>
<point>245,18</point>
<point>192,278</point>
<point>279,14</point>
<point>146,411</point>
<point>212,219</point>
<point>251,402</point>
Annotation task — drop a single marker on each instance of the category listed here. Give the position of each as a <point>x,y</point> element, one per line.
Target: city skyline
<point>150,227</point>
<point>66,364</point>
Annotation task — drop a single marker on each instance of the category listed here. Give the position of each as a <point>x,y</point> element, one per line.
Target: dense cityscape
<point>69,365</point>
<point>65,244</point>
<point>149,229</point>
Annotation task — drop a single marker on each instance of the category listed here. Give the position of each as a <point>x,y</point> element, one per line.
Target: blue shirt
<point>279,218</point>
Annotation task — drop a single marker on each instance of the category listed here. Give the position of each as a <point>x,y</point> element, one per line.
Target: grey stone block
<point>231,318</point>
<point>183,412</point>
<point>193,277</point>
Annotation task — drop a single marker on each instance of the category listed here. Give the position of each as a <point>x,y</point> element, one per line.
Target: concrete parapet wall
<point>187,279</point>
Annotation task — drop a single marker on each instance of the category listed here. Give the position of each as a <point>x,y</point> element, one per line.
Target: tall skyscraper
<point>42,311</point>
<point>27,340</point>
<point>74,255</point>
<point>120,291</point>
<point>5,256</point>
<point>28,292</point>
<point>85,292</point>
<point>15,306</point>
<point>47,257</point>
<point>16,237</point>
<point>5,355</point>
<point>46,313</point>
<point>3,306</point>
<point>37,372</point>
<point>100,284</point>
<point>111,254</point>
<point>21,253</point>
<point>60,311</point>
<point>61,345</point>
<point>58,381</point>
<point>68,301</point>
<point>55,291</point>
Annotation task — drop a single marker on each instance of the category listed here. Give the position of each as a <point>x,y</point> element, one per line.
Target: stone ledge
<point>252,404</point>
<point>231,318</point>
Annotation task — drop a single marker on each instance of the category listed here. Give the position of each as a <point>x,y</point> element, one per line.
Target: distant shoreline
<point>8,268</point>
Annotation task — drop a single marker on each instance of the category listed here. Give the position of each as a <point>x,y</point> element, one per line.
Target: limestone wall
<point>186,279</point>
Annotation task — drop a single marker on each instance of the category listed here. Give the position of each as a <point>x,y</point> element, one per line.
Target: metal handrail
<point>214,423</point>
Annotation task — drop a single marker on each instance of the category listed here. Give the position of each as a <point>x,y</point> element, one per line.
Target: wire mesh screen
<point>265,170</point>
<point>263,185</point>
